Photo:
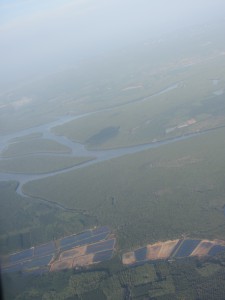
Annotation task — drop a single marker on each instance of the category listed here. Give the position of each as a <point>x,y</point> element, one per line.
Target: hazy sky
<point>38,35</point>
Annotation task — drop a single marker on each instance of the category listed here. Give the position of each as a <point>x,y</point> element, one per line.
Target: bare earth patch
<point>75,252</point>
<point>167,248</point>
<point>129,258</point>
<point>203,248</point>
<point>83,261</point>
<point>62,265</point>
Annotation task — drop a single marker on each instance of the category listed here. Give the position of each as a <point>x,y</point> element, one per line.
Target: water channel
<point>77,149</point>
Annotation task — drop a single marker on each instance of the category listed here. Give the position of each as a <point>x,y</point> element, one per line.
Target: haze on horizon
<point>40,37</point>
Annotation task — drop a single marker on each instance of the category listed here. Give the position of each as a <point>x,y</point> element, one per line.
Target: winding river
<point>77,149</point>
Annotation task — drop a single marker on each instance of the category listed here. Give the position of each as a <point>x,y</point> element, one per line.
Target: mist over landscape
<point>39,37</point>
<point>112,126</point>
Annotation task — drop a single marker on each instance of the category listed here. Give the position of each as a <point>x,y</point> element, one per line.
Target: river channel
<point>76,149</point>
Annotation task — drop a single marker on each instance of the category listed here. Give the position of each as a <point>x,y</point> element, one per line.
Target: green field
<point>34,146</point>
<point>30,136</point>
<point>40,164</point>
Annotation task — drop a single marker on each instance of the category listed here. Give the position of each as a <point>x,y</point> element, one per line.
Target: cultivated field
<point>174,249</point>
<point>159,193</point>
<point>82,252</point>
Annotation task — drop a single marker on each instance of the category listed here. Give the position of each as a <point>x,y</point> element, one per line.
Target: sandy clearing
<point>128,258</point>
<point>84,260</point>
<point>166,249</point>
<point>203,248</point>
<point>78,251</point>
<point>153,251</point>
<point>62,265</point>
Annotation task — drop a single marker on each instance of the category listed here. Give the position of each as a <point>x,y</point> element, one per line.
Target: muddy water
<point>80,150</point>
<point>76,149</point>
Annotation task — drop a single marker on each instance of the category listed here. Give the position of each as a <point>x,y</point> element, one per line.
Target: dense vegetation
<point>34,146</point>
<point>27,222</point>
<point>39,163</point>
<point>154,195</point>
<point>190,279</point>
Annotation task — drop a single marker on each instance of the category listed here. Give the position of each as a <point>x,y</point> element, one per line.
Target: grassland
<point>30,136</point>
<point>34,146</point>
<point>40,164</point>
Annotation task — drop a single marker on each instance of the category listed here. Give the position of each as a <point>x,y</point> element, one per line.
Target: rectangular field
<point>102,256</point>
<point>89,240</point>
<point>141,254</point>
<point>203,248</point>
<point>97,238</point>
<point>73,253</point>
<point>62,265</point>
<point>75,238</point>
<point>153,251</point>
<point>39,262</point>
<point>44,249</point>
<point>167,248</point>
<point>186,248</point>
<point>99,230</point>
<point>83,261</point>
<point>129,258</point>
<point>75,250</point>
<point>216,249</point>
<point>101,246</point>
<point>13,268</point>
<point>20,256</point>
